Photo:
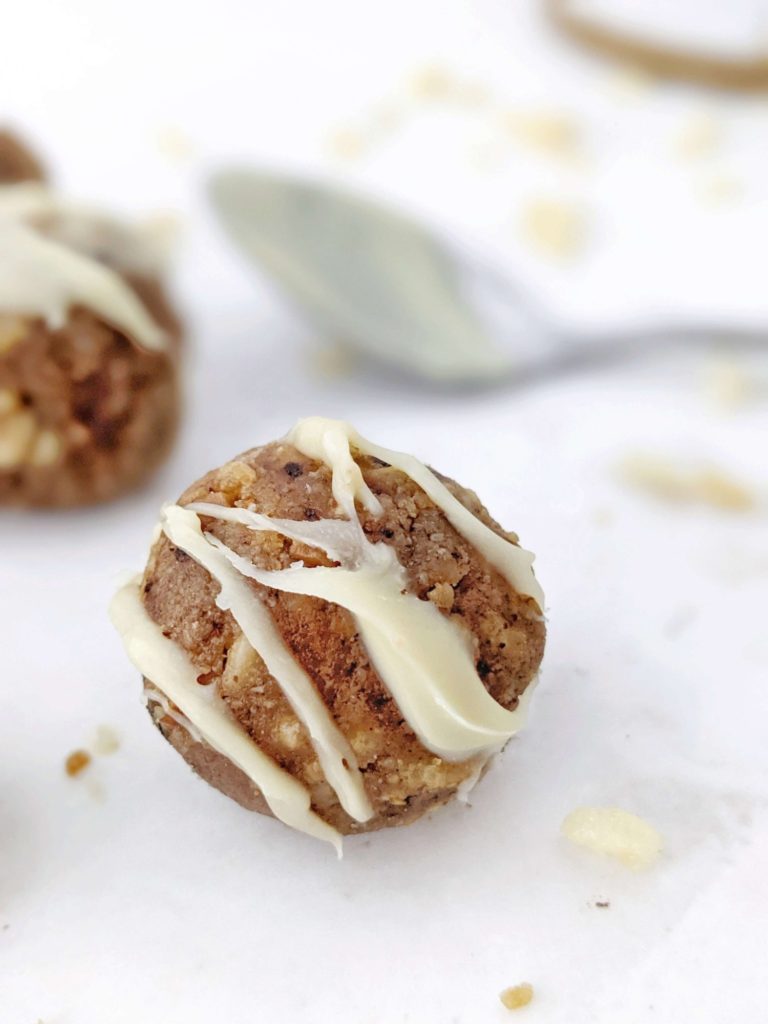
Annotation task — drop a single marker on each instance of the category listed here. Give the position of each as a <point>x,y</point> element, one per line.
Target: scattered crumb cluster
<point>105,742</point>
<point>677,481</point>
<point>549,132</point>
<point>615,833</point>
<point>518,996</point>
<point>554,228</point>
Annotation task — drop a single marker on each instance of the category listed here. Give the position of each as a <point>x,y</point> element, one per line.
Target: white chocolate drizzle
<point>330,441</point>
<point>336,757</point>
<point>158,658</point>
<point>138,247</point>
<point>423,657</point>
<point>48,264</point>
<point>151,694</point>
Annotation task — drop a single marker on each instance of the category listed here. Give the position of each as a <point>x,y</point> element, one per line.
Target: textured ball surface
<point>402,779</point>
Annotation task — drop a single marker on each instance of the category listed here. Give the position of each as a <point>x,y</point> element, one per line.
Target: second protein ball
<point>89,347</point>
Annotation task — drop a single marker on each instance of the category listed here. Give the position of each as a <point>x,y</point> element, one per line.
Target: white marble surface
<point>138,893</point>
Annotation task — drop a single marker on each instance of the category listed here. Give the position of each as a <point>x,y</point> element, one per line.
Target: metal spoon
<point>399,290</point>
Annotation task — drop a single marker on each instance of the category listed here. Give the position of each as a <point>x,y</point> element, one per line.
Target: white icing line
<point>42,278</point>
<point>423,658</point>
<point>330,441</point>
<point>151,693</point>
<point>169,668</point>
<point>48,263</point>
<point>131,246</point>
<point>336,537</point>
<point>337,759</point>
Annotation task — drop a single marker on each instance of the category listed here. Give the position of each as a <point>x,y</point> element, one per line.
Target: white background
<point>136,893</point>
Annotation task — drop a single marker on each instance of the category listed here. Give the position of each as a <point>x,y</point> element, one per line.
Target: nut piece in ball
<point>333,634</point>
<point>17,161</point>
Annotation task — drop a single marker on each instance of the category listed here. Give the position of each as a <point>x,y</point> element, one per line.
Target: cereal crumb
<point>720,189</point>
<point>174,144</point>
<point>615,833</point>
<point>675,481</point>
<point>77,762</point>
<point>346,144</point>
<point>699,137</point>
<point>518,996</point>
<point>549,132</point>
<point>726,383</point>
<point>432,82</point>
<point>554,228</point>
<point>106,741</point>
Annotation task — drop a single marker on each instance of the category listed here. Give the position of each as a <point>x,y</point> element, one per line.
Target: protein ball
<point>89,352</point>
<point>332,633</point>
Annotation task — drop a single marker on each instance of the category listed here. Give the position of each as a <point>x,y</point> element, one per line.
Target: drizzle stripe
<point>330,441</point>
<point>337,759</point>
<point>168,667</point>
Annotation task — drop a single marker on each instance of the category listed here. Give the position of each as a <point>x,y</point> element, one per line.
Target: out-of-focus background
<point>613,195</point>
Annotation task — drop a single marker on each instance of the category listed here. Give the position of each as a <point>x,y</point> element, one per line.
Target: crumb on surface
<point>719,189</point>
<point>676,481</point>
<point>699,137</point>
<point>106,740</point>
<point>432,82</point>
<point>615,833</point>
<point>727,384</point>
<point>550,132</point>
<point>174,144</point>
<point>77,762</point>
<point>346,144</point>
<point>517,996</point>
<point>603,904</point>
<point>439,83</point>
<point>554,228</point>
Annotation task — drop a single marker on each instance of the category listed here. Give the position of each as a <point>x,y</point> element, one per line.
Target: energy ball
<point>89,349</point>
<point>331,633</point>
